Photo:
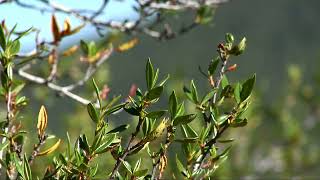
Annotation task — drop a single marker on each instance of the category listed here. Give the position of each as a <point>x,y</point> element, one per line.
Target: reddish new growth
<point>105,91</point>
<point>132,91</point>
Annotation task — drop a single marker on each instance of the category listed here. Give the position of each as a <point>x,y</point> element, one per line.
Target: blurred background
<point>281,139</point>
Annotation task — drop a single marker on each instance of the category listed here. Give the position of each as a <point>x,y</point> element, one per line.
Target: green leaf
<point>114,109</point>
<point>4,145</point>
<point>141,173</point>
<point>155,78</point>
<point>97,91</point>
<point>127,166</point>
<point>156,114</point>
<point>10,70</point>
<point>18,88</point>
<point>119,128</point>
<point>185,119</point>
<point>147,125</point>
<point>242,45</point>
<point>14,47</point>
<point>180,110</point>
<point>221,119</point>
<point>4,81</point>
<point>83,143</point>
<point>187,140</point>
<point>239,122</point>
<point>26,168</point>
<point>131,110</point>
<point>164,80</point>
<point>93,113</point>
<point>237,91</point>
<point>112,102</point>
<point>226,140</point>
<point>225,152</point>
<point>24,33</point>
<point>208,96</point>
<point>187,92</point>
<point>68,145</point>
<point>92,49</point>
<point>229,38</point>
<point>204,15</point>
<point>154,93</point>
<point>63,159</point>
<point>181,168</point>
<point>247,88</point>
<point>204,133</point>
<point>213,66</point>
<point>2,39</point>
<point>105,145</point>
<point>173,104</point>
<point>84,47</point>
<point>194,92</point>
<point>93,171</point>
<point>191,132</point>
<point>137,166</point>
<point>149,74</point>
<point>224,81</point>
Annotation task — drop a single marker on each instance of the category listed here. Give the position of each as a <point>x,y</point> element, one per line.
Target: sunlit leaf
<point>185,119</point>
<point>55,29</point>
<point>93,113</point>
<point>154,93</point>
<point>127,45</point>
<point>119,128</point>
<point>247,88</point>
<point>51,149</point>
<point>2,39</point>
<point>70,51</point>
<point>149,74</point>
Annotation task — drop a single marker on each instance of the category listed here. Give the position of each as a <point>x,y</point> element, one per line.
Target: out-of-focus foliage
<point>220,109</point>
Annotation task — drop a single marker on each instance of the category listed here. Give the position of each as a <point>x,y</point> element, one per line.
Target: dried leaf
<point>128,45</point>
<point>50,150</point>
<point>52,57</point>
<point>77,29</point>
<point>42,121</point>
<point>66,27</point>
<point>70,51</point>
<point>103,54</point>
<point>55,29</point>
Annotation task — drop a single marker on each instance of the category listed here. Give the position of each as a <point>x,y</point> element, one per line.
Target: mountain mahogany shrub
<point>203,149</point>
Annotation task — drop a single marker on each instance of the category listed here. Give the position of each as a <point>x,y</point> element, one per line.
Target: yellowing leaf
<point>70,51</point>
<point>77,29</point>
<point>55,29</point>
<point>128,45</point>
<point>51,59</point>
<point>66,28</point>
<point>50,150</point>
<point>102,54</point>
<point>158,131</point>
<point>42,121</point>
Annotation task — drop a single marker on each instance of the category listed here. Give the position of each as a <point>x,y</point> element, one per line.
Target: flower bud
<point>229,38</point>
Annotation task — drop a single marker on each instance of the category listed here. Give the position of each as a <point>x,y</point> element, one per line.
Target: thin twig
<point>202,157</point>
<point>36,149</point>
<point>126,151</point>
<point>40,80</point>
